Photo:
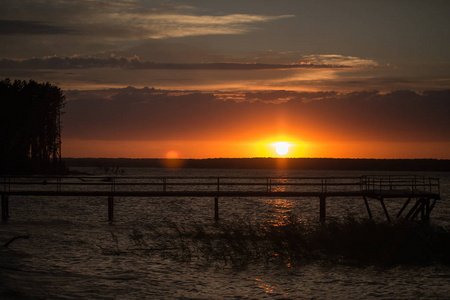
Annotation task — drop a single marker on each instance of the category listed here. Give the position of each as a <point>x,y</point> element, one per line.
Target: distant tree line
<point>30,134</point>
<point>432,165</point>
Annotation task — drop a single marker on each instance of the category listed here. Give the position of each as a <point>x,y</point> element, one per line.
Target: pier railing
<point>413,183</point>
<point>119,184</point>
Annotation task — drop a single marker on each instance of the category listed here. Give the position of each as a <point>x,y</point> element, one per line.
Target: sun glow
<point>282,148</point>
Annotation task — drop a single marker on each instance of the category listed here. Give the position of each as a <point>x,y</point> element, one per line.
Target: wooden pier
<point>419,193</point>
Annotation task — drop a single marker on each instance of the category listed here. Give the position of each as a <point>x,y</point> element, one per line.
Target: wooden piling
<point>413,209</point>
<point>5,207</point>
<point>367,206</point>
<point>323,210</point>
<point>419,209</point>
<point>430,208</point>
<point>385,210</point>
<point>110,208</point>
<point>422,211</point>
<point>216,209</point>
<point>426,218</point>
<point>403,207</point>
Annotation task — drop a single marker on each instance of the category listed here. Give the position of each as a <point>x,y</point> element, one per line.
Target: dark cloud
<point>12,27</point>
<point>76,62</point>
<point>151,114</point>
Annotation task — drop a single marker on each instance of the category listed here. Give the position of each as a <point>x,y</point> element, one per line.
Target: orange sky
<point>217,149</point>
<point>151,123</point>
<point>354,79</point>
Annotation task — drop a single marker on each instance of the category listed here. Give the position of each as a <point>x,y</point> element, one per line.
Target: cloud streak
<point>179,25</point>
<point>124,20</point>
<point>13,27</point>
<point>337,59</point>
<point>75,62</point>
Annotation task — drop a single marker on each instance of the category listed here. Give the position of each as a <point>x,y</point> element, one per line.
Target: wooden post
<point>323,210</point>
<point>413,209</point>
<point>430,208</point>
<point>110,208</point>
<point>385,210</point>
<point>368,208</point>
<point>403,207</point>
<point>422,212</point>
<point>5,207</point>
<point>419,208</point>
<point>216,209</point>
<point>426,215</point>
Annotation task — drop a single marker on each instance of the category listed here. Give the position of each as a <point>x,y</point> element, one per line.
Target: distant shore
<point>432,165</point>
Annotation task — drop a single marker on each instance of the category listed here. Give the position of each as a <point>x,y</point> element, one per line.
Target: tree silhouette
<point>30,135</point>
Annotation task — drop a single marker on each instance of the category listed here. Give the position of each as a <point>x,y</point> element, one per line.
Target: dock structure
<point>419,193</point>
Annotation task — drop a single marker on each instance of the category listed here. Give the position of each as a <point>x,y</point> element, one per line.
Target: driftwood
<point>16,238</point>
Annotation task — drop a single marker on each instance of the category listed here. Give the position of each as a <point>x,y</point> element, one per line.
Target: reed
<point>350,240</point>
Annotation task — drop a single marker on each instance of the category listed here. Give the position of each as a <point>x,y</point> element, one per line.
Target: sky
<point>205,79</point>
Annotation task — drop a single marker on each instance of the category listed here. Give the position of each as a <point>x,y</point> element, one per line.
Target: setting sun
<point>282,148</point>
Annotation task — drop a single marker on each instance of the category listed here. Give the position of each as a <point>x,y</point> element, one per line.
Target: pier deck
<point>422,191</point>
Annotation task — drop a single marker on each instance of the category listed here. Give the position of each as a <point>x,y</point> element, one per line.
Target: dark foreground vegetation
<point>30,131</point>
<point>239,244</point>
<point>435,165</point>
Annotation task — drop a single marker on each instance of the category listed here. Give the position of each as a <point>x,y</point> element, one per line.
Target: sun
<point>282,148</point>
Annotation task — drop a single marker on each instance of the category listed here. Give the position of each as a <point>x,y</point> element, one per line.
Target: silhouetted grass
<point>239,243</point>
<point>370,242</point>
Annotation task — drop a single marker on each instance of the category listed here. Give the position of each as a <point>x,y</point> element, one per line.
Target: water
<point>65,257</point>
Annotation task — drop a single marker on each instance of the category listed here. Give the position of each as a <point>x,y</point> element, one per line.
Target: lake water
<point>65,258</point>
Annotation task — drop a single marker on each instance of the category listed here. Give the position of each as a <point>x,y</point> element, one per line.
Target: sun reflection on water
<point>271,289</point>
<point>280,211</point>
<point>267,287</point>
